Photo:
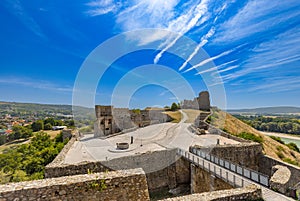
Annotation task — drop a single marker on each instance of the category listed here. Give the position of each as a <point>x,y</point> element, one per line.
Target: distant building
<point>58,127</point>
<point>112,120</point>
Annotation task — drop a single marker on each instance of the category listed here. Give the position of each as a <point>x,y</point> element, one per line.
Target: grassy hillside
<point>271,147</point>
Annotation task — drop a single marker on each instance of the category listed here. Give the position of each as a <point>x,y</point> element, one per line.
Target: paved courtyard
<point>151,138</point>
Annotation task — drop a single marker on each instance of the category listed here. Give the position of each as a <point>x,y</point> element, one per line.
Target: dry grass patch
<point>176,116</point>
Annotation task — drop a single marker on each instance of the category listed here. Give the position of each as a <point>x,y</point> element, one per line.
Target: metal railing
<point>224,169</point>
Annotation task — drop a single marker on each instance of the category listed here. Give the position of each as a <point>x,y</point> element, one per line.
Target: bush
<point>293,146</point>
<point>280,154</point>
<point>250,136</point>
<point>278,139</point>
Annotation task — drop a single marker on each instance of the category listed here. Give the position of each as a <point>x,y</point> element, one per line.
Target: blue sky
<point>253,45</point>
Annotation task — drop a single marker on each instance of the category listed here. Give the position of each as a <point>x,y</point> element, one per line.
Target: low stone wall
<point>244,154</point>
<point>214,130</point>
<point>251,192</point>
<point>118,185</point>
<point>265,166</point>
<point>68,170</point>
<point>164,169</point>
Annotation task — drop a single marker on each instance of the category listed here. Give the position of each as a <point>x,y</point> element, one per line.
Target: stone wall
<point>280,178</point>
<point>214,130</point>
<point>52,171</point>
<point>244,154</point>
<point>203,181</point>
<point>266,163</point>
<point>163,168</point>
<point>119,185</point>
<point>251,192</point>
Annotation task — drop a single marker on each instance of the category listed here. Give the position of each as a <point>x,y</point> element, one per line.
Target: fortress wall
<point>118,185</point>
<point>164,169</point>
<point>244,154</point>
<point>74,169</point>
<point>266,163</point>
<point>251,192</point>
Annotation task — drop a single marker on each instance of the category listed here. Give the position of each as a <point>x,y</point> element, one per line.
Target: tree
<point>37,125</point>
<point>50,121</point>
<point>20,132</point>
<point>174,107</point>
<point>48,126</point>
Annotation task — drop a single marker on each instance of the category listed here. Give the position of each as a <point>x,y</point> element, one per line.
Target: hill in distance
<point>267,110</point>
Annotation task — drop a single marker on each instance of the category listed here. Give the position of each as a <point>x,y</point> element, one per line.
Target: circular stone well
<point>123,145</point>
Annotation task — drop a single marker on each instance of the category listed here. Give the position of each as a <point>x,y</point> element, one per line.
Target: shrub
<point>250,136</point>
<point>279,148</point>
<point>278,139</point>
<point>293,146</point>
<point>280,154</point>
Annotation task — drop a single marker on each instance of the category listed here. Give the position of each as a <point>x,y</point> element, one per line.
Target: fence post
<point>234,184</point>
<point>227,176</point>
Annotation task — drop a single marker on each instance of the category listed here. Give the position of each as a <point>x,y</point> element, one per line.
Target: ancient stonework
<point>119,185</point>
<point>243,154</point>
<point>251,192</point>
<point>203,101</point>
<point>280,178</point>
<point>112,120</point>
<point>203,181</point>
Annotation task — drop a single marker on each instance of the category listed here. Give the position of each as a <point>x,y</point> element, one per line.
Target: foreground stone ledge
<point>251,192</point>
<point>280,178</point>
<point>119,185</point>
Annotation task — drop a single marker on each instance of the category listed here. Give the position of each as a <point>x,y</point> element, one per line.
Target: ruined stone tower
<point>203,101</point>
<point>104,124</point>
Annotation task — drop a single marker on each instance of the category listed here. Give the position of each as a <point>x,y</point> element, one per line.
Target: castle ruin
<point>112,120</point>
<point>202,102</point>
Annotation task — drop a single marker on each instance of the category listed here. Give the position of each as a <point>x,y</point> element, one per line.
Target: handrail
<point>232,167</point>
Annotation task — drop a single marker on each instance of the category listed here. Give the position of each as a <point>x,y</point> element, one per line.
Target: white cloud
<point>185,23</point>
<point>204,40</point>
<point>278,84</point>
<point>255,17</point>
<point>102,7</point>
<point>280,51</point>
<point>37,84</point>
<point>202,63</point>
<point>216,68</point>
